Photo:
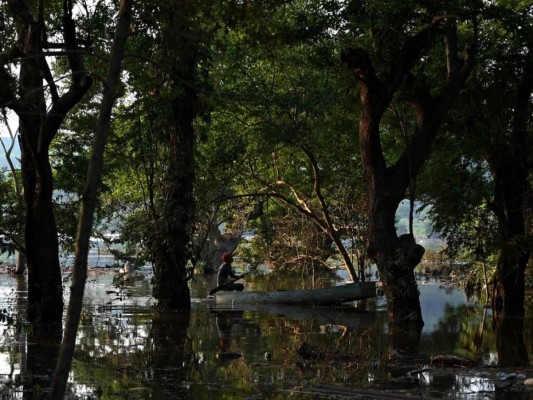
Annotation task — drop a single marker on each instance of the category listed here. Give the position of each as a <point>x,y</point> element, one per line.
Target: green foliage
<point>275,101</point>
<point>11,212</point>
<point>457,187</point>
<point>458,182</point>
<point>270,85</point>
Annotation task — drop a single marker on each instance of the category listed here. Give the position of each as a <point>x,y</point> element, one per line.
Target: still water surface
<point>127,351</point>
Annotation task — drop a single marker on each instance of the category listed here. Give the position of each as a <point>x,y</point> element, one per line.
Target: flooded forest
<point>266,199</point>
<point>126,350</point>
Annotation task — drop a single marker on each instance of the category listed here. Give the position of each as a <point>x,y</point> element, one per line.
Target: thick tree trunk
<point>512,350</point>
<point>396,257</point>
<point>38,127</point>
<point>171,287</point>
<point>510,176</point>
<point>173,232</point>
<point>173,236</point>
<point>510,167</point>
<point>172,252</point>
<point>45,289</point>
<point>400,285</point>
<point>509,281</point>
<point>42,347</point>
<point>171,255</point>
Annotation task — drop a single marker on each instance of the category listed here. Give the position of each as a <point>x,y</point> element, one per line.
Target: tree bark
<point>172,235</point>
<point>37,129</point>
<point>45,291</point>
<point>171,254</point>
<point>396,257</point>
<point>510,165</point>
<point>89,201</point>
<point>510,343</point>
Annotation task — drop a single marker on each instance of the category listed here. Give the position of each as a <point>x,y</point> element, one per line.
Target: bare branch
<point>81,80</point>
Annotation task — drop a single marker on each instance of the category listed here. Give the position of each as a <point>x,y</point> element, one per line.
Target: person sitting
<point>225,272</point>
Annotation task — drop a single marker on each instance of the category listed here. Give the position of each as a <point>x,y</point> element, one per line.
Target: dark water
<point>126,351</point>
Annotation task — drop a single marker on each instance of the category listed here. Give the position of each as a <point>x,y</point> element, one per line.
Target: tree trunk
<point>41,353</point>
<point>173,232</point>
<point>512,350</point>
<point>38,127</point>
<point>89,200</point>
<point>509,278</point>
<point>171,255</point>
<point>45,289</point>
<point>396,257</point>
<point>510,167</point>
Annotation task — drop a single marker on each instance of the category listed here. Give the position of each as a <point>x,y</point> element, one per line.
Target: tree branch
<point>331,232</point>
<point>81,80</point>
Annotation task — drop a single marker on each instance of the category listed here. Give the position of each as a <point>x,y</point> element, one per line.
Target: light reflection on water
<point>125,350</point>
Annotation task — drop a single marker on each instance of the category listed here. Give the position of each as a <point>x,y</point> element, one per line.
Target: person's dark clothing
<point>225,272</point>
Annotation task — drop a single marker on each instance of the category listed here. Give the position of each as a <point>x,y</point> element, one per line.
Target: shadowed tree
<point>89,201</point>
<point>168,88</point>
<point>509,158</point>
<point>500,122</point>
<point>396,257</point>
<point>41,107</point>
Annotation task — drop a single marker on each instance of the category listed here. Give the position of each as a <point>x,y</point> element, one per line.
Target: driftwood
<point>312,352</point>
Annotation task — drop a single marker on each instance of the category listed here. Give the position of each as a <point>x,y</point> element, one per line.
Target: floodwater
<point>127,351</point>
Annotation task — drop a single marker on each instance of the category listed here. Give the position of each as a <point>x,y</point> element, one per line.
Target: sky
<point>6,139</point>
<point>12,119</point>
<point>15,154</point>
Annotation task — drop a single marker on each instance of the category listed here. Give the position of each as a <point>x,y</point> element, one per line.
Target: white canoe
<point>324,296</point>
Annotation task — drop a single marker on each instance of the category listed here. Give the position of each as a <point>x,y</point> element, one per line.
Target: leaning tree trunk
<point>89,202</point>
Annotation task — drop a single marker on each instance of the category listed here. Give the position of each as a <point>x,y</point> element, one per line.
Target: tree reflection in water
<point>171,355</point>
<point>42,349</point>
<point>126,350</point>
